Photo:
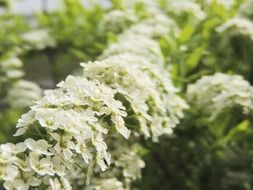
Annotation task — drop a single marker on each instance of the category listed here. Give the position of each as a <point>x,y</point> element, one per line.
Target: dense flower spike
<point>148,89</point>
<point>107,184</point>
<point>215,93</point>
<point>11,69</point>
<point>75,117</point>
<point>127,166</point>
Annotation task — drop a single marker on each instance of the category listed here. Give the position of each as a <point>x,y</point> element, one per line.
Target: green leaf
<point>186,33</point>
<point>242,127</point>
<point>194,58</point>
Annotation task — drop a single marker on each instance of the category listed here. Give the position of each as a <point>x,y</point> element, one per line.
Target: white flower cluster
<point>134,68</point>
<point>213,94</point>
<point>130,163</point>
<point>147,88</point>
<point>246,8</point>
<point>10,69</point>
<point>22,94</point>
<point>155,27</point>
<point>126,91</point>
<point>237,26</point>
<point>107,184</point>
<point>127,165</point>
<point>18,93</point>
<point>182,7</point>
<point>137,45</point>
<point>117,20</point>
<point>74,118</point>
<point>38,39</point>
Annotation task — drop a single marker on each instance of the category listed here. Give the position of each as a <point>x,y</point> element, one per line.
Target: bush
<point>163,97</point>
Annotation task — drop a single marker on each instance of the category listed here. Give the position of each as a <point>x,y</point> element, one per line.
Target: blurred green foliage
<point>200,154</point>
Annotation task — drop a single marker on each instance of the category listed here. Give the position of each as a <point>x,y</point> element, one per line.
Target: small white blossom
<point>24,122</point>
<point>43,166</point>
<point>39,147</point>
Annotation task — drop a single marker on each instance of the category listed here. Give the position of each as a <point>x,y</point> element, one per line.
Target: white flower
<point>12,148</point>
<point>24,122</point>
<point>109,184</point>
<point>64,145</point>
<point>103,158</point>
<point>61,184</point>
<point>9,173</point>
<point>17,184</point>
<point>43,166</point>
<point>39,146</point>
<point>120,123</point>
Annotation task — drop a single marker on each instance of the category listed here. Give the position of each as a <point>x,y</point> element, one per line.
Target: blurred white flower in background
<point>22,94</point>
<point>225,3</point>
<point>237,25</point>
<point>11,69</point>
<point>213,94</point>
<point>117,20</point>
<point>187,7</point>
<point>38,39</point>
